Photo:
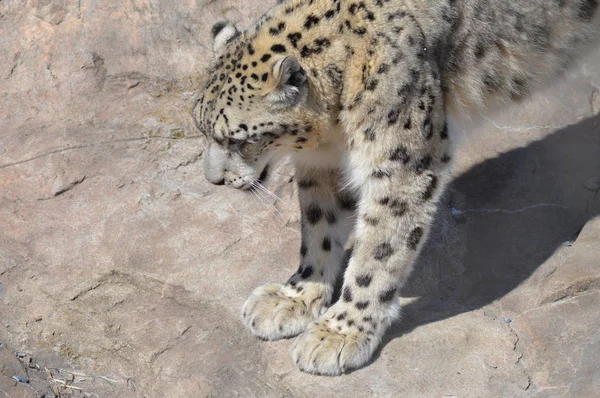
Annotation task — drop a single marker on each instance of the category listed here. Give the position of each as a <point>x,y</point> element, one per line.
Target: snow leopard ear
<point>222,33</point>
<point>291,84</point>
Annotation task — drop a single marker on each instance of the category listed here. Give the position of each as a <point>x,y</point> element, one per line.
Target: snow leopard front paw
<point>343,338</point>
<point>277,311</point>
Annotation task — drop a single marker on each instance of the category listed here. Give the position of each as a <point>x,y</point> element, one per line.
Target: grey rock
<point>132,269</point>
<point>51,11</point>
<point>595,101</point>
<point>593,184</point>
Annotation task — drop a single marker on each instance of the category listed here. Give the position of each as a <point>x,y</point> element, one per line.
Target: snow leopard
<point>360,95</point>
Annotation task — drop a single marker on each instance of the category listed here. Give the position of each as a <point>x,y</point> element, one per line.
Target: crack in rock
<point>189,161</point>
<point>229,246</point>
<point>579,288</point>
<point>557,302</point>
<point>177,294</point>
<point>94,144</point>
<point>457,212</point>
<point>94,286</point>
<point>16,63</point>
<point>170,345</point>
<point>69,186</point>
<point>522,128</point>
<point>595,102</point>
<point>521,355</point>
<point>100,71</point>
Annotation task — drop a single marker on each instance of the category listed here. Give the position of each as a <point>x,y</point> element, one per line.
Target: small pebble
<point>507,320</point>
<point>21,379</point>
<point>593,184</point>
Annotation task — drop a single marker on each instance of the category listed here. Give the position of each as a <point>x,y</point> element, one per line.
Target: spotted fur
<point>359,94</point>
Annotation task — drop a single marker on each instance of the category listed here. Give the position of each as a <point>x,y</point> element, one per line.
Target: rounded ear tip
<point>218,27</point>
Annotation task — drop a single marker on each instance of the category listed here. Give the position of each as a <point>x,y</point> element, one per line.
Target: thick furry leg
<point>398,143</point>
<point>278,311</point>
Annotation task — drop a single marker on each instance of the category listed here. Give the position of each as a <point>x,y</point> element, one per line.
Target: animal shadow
<point>499,221</point>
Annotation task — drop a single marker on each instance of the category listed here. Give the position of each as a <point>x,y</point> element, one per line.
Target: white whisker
<point>255,197</point>
<point>260,198</point>
<point>261,187</point>
<point>265,190</point>
<point>266,199</point>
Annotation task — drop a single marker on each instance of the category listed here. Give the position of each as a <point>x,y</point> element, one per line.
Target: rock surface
<point>122,272</point>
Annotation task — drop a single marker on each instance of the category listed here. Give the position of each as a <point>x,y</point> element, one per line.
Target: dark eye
<point>234,143</point>
<point>237,145</point>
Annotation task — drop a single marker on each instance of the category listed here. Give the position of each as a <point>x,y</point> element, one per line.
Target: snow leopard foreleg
<point>276,311</point>
<point>398,153</point>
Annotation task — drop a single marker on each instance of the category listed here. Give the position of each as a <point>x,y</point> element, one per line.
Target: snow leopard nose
<point>214,164</point>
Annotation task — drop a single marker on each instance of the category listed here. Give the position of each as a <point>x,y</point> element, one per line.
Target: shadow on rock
<point>499,221</point>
